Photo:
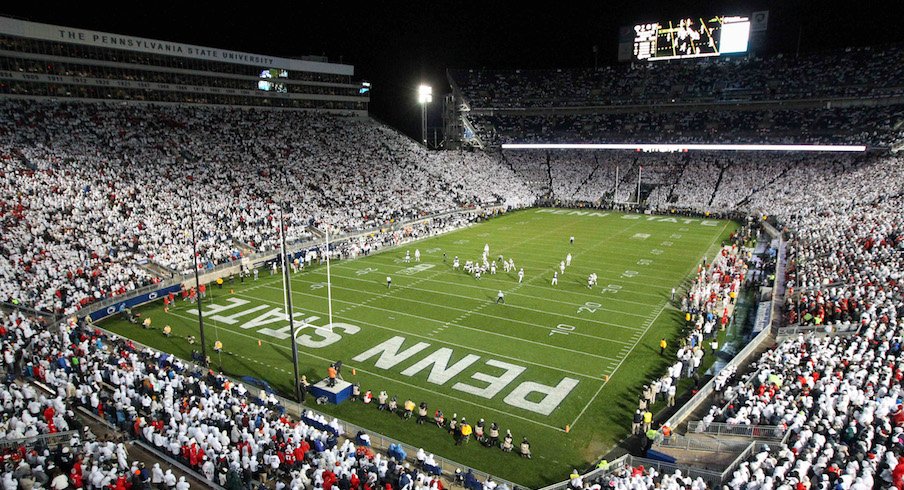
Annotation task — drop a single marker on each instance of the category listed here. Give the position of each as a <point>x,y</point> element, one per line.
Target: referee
<point>500,298</point>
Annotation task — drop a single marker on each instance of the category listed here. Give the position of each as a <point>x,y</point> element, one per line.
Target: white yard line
<point>507,277</point>
<point>637,341</point>
<point>481,306</point>
<point>412,334</point>
<point>453,323</point>
<point>485,299</point>
<point>639,338</point>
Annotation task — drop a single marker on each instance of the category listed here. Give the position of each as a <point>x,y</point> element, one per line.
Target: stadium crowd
<point>836,393</point>
<point>225,433</point>
<point>83,165</point>
<point>853,72</point>
<point>875,126</point>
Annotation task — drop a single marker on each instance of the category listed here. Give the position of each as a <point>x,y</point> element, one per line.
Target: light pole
<point>194,250</point>
<point>287,295</point>
<point>424,97</point>
<point>287,283</point>
<point>188,157</point>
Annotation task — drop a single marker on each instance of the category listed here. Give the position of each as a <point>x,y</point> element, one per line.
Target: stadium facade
<point>50,61</point>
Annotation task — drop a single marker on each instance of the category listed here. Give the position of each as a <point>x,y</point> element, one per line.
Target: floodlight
<point>424,94</point>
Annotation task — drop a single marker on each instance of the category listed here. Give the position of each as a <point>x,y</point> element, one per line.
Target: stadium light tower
<point>186,158</point>
<point>287,294</point>
<point>287,283</point>
<point>424,97</point>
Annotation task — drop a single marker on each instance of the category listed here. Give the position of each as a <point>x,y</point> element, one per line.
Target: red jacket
<point>49,412</point>
<point>329,479</point>
<point>897,476</point>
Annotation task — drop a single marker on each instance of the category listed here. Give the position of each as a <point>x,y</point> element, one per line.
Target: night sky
<point>397,45</point>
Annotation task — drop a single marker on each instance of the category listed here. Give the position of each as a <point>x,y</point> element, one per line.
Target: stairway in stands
<point>722,167</point>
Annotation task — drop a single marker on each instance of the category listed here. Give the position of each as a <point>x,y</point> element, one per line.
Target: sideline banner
<point>132,302</point>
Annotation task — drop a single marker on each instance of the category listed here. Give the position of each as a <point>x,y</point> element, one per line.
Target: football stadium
<point>227,266</point>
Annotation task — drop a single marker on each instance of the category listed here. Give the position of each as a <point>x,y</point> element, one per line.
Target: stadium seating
<point>116,179</point>
<point>204,420</point>
<point>873,126</point>
<point>855,72</point>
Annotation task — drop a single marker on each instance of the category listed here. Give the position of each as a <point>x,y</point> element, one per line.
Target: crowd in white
<point>836,393</point>
<point>852,72</point>
<point>79,459</point>
<point>838,397</point>
<point>92,190</point>
<point>859,124</point>
<point>229,435</point>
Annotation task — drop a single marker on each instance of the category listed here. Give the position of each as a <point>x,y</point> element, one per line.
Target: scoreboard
<point>684,38</point>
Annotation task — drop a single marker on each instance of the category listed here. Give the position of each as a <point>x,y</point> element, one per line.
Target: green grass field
<point>550,356</point>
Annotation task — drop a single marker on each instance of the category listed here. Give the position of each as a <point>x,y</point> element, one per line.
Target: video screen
<point>274,73</point>
<point>690,38</point>
<point>269,74</point>
<point>271,86</point>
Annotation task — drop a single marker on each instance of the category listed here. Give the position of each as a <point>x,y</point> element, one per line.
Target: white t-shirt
<point>60,482</point>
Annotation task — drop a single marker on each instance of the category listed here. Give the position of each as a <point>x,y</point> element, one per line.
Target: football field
<point>551,356</point>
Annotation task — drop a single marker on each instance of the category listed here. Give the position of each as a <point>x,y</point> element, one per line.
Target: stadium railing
<point>712,478</point>
<point>823,330</point>
<point>29,311</point>
<point>776,432</point>
<point>707,442</point>
<point>611,466</point>
<point>751,449</point>
<point>46,440</point>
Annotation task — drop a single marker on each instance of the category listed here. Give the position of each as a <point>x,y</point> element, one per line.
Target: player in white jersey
<point>568,260</point>
<point>477,274</point>
<point>590,281</point>
<point>486,248</point>
<point>407,256</point>
<point>493,268</point>
<point>511,264</point>
<point>571,240</point>
<point>555,278</point>
<point>455,263</point>
<point>562,266</point>
<point>417,255</point>
<point>521,275</point>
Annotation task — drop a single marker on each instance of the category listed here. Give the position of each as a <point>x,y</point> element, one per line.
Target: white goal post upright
<point>639,174</point>
<point>283,264</point>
